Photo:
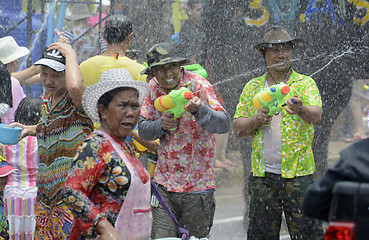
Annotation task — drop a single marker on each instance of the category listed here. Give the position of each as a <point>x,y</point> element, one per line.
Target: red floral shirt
<point>98,183</point>
<point>186,155</point>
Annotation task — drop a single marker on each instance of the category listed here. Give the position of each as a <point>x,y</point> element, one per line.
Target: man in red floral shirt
<point>185,168</point>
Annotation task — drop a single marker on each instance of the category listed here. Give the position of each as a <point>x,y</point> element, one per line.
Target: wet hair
<point>6,87</point>
<point>117,28</point>
<point>107,97</point>
<point>28,111</point>
<point>191,3</point>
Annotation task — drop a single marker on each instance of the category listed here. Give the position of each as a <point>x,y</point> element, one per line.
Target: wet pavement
<point>230,204</point>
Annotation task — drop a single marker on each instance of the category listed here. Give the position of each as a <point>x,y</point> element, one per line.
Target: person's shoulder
<point>256,81</point>
<point>15,81</point>
<point>135,68</point>
<point>360,147</point>
<point>91,60</point>
<point>300,76</point>
<point>192,75</point>
<point>134,63</point>
<point>96,139</point>
<point>89,67</point>
<point>356,156</point>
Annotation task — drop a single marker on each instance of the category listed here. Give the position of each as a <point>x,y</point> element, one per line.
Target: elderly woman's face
<point>122,113</point>
<point>54,82</point>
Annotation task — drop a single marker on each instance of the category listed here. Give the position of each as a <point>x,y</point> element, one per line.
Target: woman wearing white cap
<point>108,189</point>
<point>61,129</point>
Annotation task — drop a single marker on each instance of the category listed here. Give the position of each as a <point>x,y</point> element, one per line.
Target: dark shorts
<point>270,196</point>
<point>194,212</point>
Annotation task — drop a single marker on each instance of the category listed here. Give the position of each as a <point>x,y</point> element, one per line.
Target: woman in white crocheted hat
<point>108,189</point>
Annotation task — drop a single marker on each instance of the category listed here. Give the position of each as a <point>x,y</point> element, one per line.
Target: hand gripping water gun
<point>272,98</point>
<point>174,101</point>
<point>196,68</point>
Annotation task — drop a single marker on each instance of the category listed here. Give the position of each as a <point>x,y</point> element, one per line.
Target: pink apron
<point>135,219</point>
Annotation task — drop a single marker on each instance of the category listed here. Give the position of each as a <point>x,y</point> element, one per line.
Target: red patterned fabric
<point>98,183</point>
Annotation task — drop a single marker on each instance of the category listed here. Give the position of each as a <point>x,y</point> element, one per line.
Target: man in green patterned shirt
<point>282,161</point>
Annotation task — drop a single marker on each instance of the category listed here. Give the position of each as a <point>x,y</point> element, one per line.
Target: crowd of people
<point>75,173</point>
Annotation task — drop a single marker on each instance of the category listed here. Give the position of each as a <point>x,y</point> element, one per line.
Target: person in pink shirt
<point>105,10</point>
<point>185,168</point>
<point>10,55</point>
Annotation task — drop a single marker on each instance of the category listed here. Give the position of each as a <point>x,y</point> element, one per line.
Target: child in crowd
<point>5,170</point>
<point>20,192</point>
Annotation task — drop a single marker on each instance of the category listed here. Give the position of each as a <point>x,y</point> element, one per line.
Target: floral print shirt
<point>296,134</point>
<point>186,155</point>
<point>98,183</point>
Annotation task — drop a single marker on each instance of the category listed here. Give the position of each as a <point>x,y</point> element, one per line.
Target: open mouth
<point>128,125</point>
<point>169,80</point>
<point>277,64</point>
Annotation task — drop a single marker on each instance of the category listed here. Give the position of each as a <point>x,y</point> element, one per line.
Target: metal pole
<point>99,32</point>
<point>29,37</point>
<point>42,47</point>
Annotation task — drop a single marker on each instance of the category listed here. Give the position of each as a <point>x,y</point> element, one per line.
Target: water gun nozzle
<point>188,95</point>
<point>285,90</point>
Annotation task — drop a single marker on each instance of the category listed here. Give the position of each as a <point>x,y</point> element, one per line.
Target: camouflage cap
<point>276,35</point>
<point>161,54</point>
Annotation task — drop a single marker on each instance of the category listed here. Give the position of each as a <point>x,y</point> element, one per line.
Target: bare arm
<point>32,81</point>
<point>243,127</point>
<point>152,146</point>
<point>310,114</point>
<point>73,75</point>
<point>26,130</point>
<point>29,76</point>
<point>106,230</point>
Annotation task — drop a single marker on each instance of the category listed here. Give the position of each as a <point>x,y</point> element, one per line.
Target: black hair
<point>107,97</point>
<point>6,86</point>
<point>28,111</point>
<point>191,3</point>
<point>117,28</point>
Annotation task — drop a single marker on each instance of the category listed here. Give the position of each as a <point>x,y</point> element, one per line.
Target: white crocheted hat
<point>110,79</point>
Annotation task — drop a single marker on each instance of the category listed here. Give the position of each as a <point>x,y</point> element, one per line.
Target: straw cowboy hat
<point>79,11</point>
<point>275,35</point>
<point>110,79</point>
<point>10,50</point>
<point>161,54</point>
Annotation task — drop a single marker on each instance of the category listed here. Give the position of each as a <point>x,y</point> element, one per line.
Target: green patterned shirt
<point>296,134</point>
